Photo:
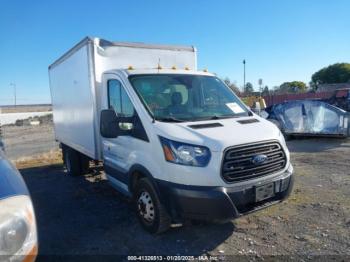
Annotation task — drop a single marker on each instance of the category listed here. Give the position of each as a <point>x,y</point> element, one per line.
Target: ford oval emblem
<point>259,159</point>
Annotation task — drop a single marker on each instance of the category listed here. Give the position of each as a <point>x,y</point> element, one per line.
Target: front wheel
<point>151,213</point>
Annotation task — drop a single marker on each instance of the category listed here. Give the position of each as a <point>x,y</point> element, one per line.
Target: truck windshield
<point>179,98</point>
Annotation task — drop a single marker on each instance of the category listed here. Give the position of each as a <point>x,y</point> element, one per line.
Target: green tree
<point>292,87</point>
<point>336,73</point>
<point>232,86</point>
<point>312,87</point>
<point>248,89</point>
<point>265,91</point>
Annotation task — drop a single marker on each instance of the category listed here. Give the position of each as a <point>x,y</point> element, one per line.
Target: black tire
<point>161,220</point>
<point>72,161</point>
<point>84,164</point>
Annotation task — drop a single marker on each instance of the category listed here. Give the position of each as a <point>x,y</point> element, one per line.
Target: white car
<point>18,233</point>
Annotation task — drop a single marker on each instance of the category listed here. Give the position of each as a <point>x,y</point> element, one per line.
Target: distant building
<point>331,87</point>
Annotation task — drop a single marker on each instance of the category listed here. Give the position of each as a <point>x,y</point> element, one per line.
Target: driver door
<point>116,151</point>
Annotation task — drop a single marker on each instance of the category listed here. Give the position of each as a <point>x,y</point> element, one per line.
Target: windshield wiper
<point>215,117</point>
<point>230,116</point>
<point>170,119</point>
<point>222,117</point>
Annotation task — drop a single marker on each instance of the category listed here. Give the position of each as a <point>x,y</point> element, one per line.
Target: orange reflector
<point>31,256</point>
<point>168,154</point>
<point>30,216</point>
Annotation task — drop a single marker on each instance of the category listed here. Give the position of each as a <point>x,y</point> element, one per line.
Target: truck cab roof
<point>145,71</point>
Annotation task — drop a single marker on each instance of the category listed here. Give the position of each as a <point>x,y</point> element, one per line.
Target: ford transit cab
<point>176,140</point>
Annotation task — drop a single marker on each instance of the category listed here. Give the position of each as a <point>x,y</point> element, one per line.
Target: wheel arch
<point>137,172</point>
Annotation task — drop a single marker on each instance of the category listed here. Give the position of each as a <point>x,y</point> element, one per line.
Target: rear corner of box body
<point>121,55</point>
<point>73,99</point>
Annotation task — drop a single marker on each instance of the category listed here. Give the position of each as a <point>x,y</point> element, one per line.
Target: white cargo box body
<point>75,83</point>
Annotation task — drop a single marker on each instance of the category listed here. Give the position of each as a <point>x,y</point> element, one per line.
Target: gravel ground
<point>25,141</point>
<point>84,215</point>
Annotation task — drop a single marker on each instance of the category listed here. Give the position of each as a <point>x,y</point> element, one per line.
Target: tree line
<point>332,74</point>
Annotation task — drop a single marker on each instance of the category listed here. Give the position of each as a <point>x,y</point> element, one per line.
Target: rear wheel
<point>76,164</point>
<point>151,213</point>
<point>84,164</point>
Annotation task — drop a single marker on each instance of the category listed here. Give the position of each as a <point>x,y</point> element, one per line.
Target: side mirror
<point>112,126</point>
<point>109,123</point>
<point>126,126</point>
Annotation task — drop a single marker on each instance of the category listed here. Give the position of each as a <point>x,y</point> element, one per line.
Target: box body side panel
<point>73,102</point>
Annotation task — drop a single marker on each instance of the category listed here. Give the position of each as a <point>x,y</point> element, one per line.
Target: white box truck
<point>176,140</point>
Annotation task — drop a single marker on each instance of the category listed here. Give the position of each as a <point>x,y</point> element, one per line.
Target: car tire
<point>150,211</point>
<point>72,161</point>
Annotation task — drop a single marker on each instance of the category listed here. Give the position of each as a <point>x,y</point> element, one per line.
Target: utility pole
<point>260,82</point>
<point>243,75</point>
<point>14,92</point>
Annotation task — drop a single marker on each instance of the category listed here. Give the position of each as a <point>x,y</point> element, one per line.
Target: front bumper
<point>219,203</point>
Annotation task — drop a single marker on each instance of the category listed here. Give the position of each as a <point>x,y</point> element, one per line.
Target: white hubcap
<point>146,207</point>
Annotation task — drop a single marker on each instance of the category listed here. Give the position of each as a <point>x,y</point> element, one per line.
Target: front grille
<point>238,164</point>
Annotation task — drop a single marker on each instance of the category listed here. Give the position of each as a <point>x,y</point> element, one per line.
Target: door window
<point>119,100</point>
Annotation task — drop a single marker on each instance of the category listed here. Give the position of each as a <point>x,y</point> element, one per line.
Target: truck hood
<point>220,134</point>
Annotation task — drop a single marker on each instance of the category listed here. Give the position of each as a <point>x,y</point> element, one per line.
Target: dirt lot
<point>84,215</point>
<point>25,108</point>
<point>26,141</point>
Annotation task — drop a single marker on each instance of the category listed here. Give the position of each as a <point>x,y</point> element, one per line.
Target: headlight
<point>185,154</point>
<point>18,236</point>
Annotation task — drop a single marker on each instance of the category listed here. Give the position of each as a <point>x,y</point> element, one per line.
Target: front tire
<point>150,212</point>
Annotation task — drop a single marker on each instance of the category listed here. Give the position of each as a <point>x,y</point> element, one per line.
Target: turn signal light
<point>168,154</point>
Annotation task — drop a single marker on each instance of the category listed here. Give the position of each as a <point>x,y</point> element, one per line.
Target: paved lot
<point>84,215</point>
